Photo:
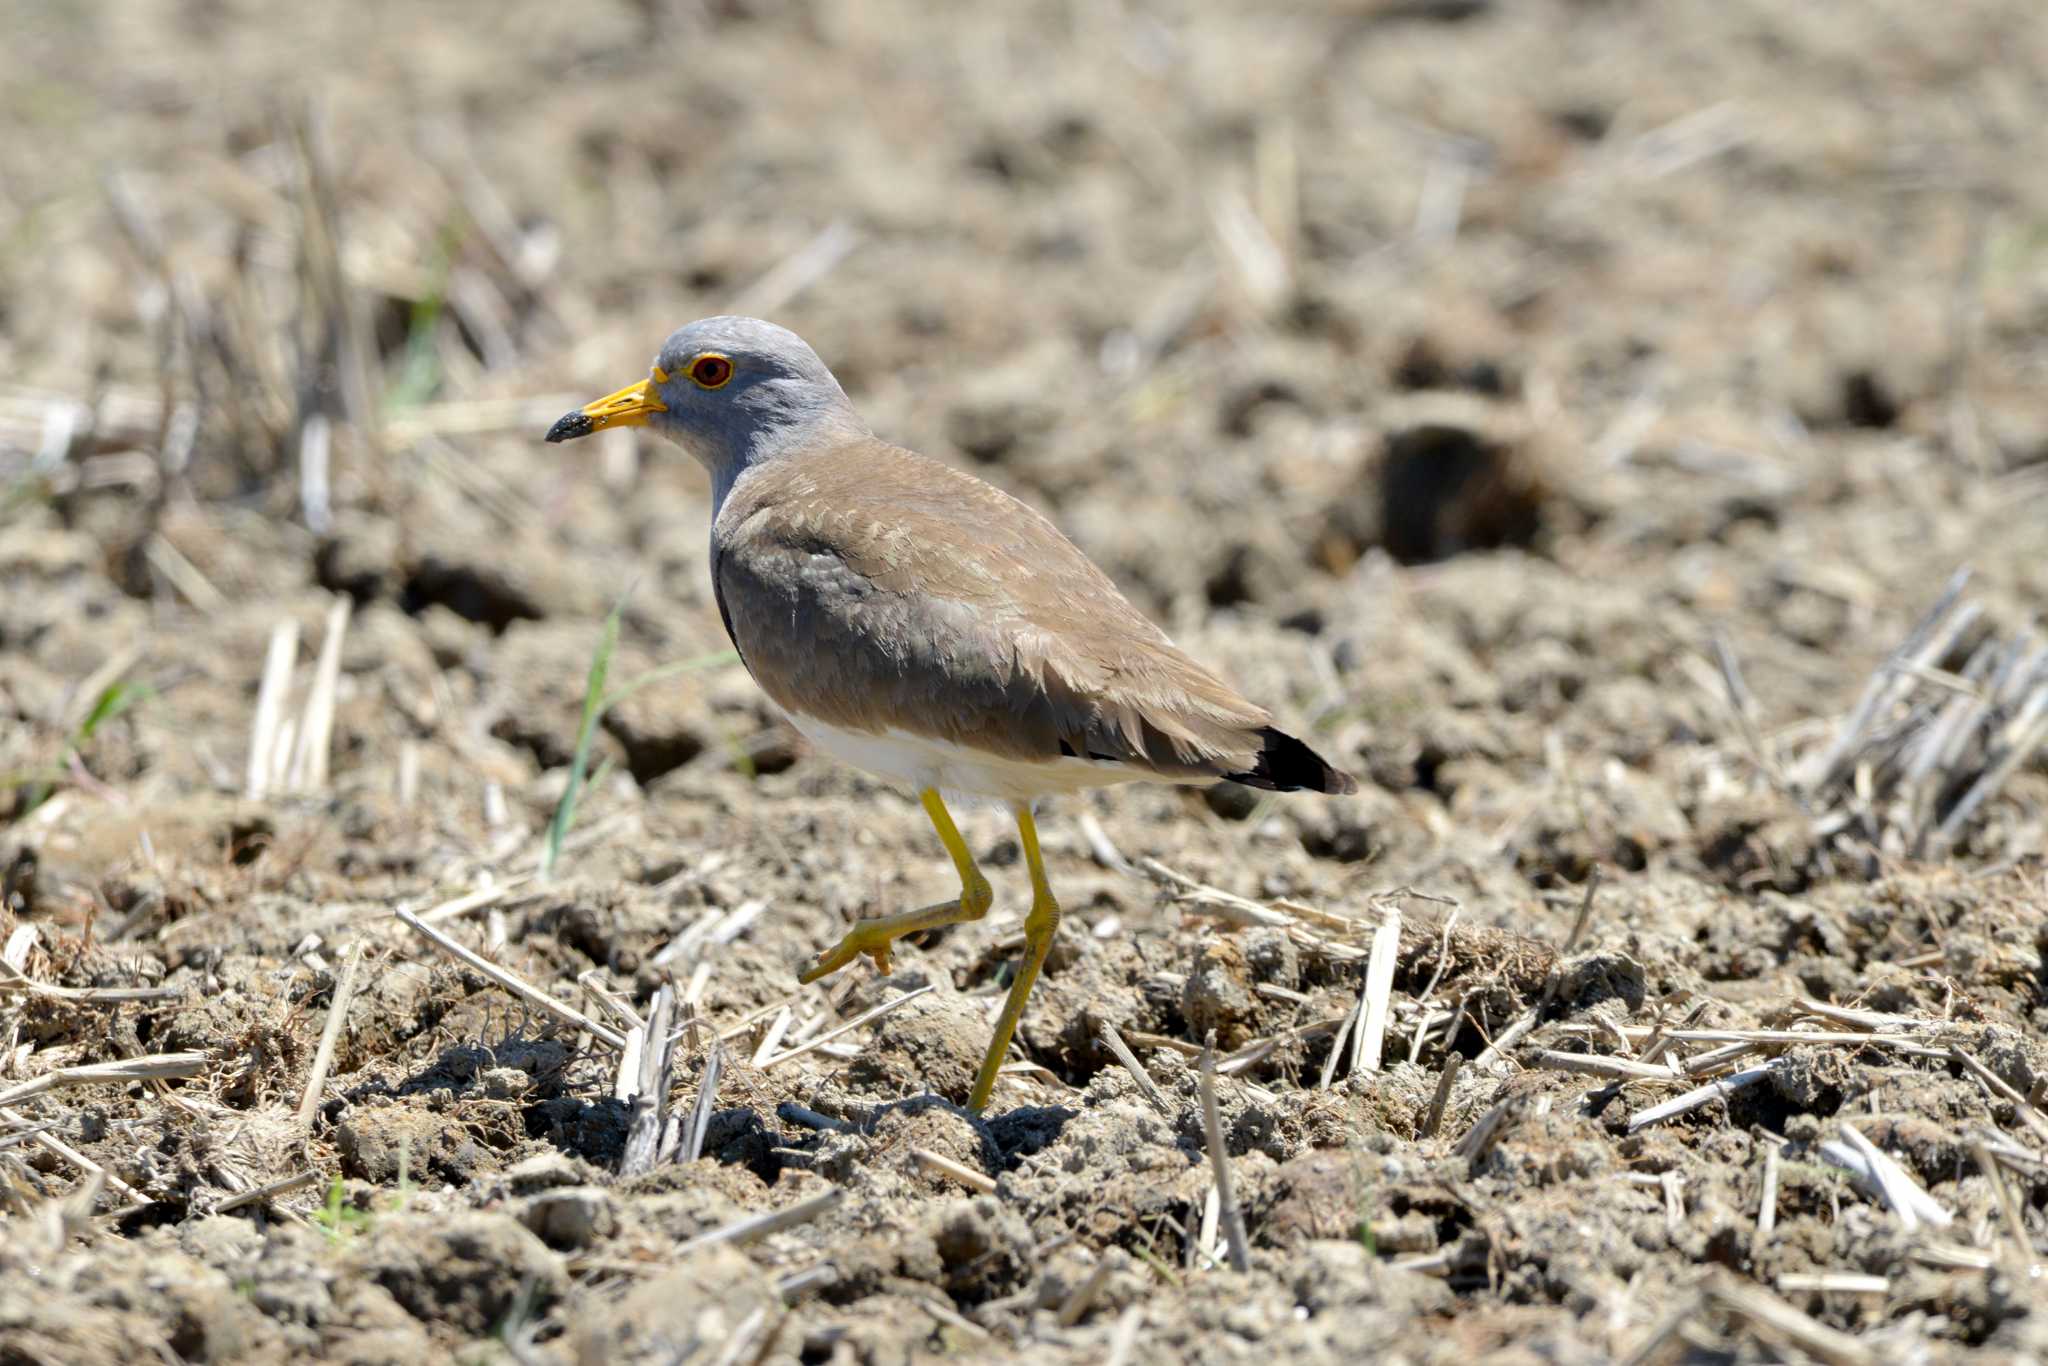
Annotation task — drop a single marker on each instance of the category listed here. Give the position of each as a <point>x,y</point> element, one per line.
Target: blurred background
<point>1697,316</point>
<point>1554,409</point>
<point>1566,334</point>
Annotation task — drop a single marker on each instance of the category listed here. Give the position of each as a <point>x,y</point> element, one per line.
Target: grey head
<point>732,391</point>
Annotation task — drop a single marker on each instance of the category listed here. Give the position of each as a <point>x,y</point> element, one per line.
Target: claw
<point>826,963</point>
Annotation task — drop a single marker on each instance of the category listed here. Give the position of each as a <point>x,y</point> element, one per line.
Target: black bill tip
<point>572,426</point>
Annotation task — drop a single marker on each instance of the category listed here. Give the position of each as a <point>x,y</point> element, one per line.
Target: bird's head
<point>731,391</point>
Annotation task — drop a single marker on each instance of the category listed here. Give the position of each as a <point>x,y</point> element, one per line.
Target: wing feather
<point>884,590</point>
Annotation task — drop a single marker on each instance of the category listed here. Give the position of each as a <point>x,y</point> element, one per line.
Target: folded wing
<point>890,591</point>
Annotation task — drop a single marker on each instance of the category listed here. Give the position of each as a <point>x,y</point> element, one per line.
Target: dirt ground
<point>1559,412</point>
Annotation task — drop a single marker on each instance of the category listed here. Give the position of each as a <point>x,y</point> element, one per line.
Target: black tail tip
<point>1285,764</point>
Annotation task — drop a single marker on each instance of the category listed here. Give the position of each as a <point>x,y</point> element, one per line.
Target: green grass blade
<point>419,377</point>
<point>713,660</point>
<point>116,698</point>
<point>579,763</point>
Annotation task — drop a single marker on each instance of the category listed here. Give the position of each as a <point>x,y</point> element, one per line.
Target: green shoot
<point>1366,1195</point>
<point>117,697</point>
<point>713,660</point>
<point>586,730</point>
<point>340,1218</point>
<point>596,702</point>
<point>420,375</point>
<point>337,1218</point>
<point>741,759</point>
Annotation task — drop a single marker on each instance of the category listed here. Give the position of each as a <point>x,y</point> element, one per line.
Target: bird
<point>919,623</point>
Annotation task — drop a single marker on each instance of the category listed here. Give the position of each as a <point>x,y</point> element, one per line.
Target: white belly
<point>956,770</point>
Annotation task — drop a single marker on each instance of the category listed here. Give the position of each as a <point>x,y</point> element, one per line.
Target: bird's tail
<point>1285,764</point>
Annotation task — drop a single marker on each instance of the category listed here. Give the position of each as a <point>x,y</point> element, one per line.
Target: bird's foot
<point>877,938</point>
<point>859,940</point>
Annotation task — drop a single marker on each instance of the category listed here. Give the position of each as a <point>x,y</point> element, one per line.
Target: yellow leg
<point>1039,927</point>
<point>874,937</point>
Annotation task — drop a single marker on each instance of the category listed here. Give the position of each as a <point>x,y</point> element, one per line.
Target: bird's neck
<point>778,445</point>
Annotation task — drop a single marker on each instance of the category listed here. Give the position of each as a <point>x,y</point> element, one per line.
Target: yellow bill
<point>629,407</point>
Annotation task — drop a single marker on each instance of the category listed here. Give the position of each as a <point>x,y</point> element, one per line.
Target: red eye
<point>710,371</point>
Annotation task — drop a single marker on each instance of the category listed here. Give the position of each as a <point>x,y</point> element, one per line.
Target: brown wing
<point>882,589</point>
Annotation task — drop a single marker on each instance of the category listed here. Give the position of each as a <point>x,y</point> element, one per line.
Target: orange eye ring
<point>710,371</point>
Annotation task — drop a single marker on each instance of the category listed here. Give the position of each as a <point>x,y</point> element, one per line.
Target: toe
<point>827,963</point>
